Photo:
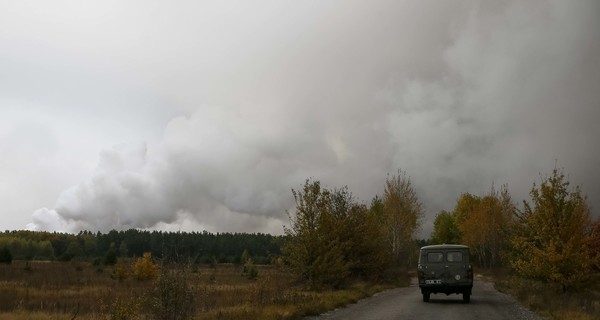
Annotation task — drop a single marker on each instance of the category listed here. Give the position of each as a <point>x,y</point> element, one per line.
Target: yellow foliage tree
<point>553,234</point>
<point>485,224</point>
<point>465,206</point>
<point>144,268</point>
<point>486,229</point>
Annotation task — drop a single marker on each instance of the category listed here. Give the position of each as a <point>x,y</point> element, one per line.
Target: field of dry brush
<point>80,290</point>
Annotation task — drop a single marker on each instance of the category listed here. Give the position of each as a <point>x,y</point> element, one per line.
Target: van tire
<point>466,297</point>
<point>426,296</point>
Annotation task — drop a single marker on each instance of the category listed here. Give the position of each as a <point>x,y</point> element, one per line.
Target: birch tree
<point>403,216</point>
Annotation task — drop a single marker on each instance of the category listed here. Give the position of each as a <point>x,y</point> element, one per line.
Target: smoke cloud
<point>459,95</point>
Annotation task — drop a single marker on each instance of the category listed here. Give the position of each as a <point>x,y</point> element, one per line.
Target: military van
<point>445,268</point>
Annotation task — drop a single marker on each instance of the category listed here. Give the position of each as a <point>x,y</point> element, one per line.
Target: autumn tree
<point>365,249</point>
<point>485,225</point>
<point>464,208</point>
<point>445,229</point>
<point>403,215</point>
<point>594,244</point>
<point>144,268</point>
<point>332,238</point>
<point>121,271</point>
<point>552,233</point>
<point>303,248</point>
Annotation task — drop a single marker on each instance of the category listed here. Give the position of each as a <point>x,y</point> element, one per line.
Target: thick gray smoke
<point>459,95</point>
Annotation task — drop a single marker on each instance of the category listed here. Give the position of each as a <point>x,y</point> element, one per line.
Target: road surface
<point>407,304</point>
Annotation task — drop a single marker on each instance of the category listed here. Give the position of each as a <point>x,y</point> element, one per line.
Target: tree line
<point>202,247</point>
<point>333,238</point>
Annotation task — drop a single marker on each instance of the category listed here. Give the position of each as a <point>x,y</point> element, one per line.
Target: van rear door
<point>445,267</point>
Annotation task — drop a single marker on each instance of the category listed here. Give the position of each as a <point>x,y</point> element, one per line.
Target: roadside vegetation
<point>546,253</point>
<point>334,240</point>
<point>548,300</point>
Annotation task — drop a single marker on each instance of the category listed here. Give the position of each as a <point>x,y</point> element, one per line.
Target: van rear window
<point>435,257</point>
<point>454,256</point>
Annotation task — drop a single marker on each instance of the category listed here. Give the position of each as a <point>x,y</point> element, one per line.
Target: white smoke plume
<point>459,95</point>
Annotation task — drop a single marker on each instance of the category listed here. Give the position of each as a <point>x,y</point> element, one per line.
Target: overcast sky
<point>203,115</point>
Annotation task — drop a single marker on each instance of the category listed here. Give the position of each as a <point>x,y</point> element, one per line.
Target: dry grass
<point>549,301</point>
<point>60,290</point>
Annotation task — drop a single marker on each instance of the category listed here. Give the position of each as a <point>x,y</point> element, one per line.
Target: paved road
<point>407,304</point>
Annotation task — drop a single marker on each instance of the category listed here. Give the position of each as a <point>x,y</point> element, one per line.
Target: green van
<point>445,268</point>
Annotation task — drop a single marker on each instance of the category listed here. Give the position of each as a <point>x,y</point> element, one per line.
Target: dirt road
<point>406,303</point>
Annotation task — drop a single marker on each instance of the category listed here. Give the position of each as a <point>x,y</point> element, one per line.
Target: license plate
<point>433,281</point>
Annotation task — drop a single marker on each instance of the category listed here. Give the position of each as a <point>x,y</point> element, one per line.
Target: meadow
<point>81,290</point>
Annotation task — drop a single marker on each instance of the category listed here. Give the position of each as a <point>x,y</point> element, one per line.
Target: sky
<point>204,115</point>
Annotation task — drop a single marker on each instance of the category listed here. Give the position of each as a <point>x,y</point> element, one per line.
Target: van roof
<point>444,246</point>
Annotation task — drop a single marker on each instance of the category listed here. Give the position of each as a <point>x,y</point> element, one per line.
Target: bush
<point>122,271</point>
<point>250,269</point>
<point>172,297</point>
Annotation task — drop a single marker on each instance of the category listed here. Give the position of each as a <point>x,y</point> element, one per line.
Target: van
<point>445,268</point>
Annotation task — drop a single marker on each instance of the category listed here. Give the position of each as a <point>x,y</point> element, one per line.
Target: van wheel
<point>426,296</point>
<point>466,297</point>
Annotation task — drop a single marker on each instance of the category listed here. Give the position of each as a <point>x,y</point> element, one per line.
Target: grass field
<point>67,290</point>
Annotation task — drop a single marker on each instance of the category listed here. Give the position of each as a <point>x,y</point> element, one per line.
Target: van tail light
<point>421,271</point>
